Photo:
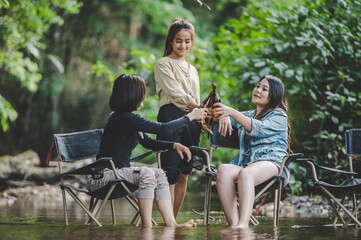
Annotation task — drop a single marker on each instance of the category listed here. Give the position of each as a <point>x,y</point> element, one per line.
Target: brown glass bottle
<point>208,102</point>
<point>216,98</point>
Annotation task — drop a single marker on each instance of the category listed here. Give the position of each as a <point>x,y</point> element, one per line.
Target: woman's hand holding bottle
<point>197,114</point>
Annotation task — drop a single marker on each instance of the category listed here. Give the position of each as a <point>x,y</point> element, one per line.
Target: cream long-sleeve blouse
<point>173,86</point>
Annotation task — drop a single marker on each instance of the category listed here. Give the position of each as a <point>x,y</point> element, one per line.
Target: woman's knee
<point>183,178</point>
<point>222,171</point>
<point>161,178</point>
<point>244,175</point>
<point>147,178</point>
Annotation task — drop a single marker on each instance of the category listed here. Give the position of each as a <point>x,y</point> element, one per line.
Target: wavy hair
<point>277,99</point>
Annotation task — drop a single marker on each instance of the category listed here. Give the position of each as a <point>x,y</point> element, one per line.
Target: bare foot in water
<point>240,227</point>
<point>237,233</point>
<point>190,224</point>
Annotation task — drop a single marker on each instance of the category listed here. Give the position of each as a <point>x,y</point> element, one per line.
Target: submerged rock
<point>303,206</point>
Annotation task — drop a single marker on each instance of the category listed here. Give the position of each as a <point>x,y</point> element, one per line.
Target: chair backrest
<point>353,142</point>
<point>229,141</point>
<point>78,145</point>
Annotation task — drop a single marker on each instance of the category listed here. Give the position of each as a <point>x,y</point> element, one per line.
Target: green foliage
<point>4,4</point>
<point>142,63</point>
<point>7,113</point>
<point>101,70</point>
<point>315,49</point>
<point>313,46</point>
<point>23,25</point>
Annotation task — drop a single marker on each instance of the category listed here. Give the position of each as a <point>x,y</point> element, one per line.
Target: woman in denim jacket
<point>264,136</point>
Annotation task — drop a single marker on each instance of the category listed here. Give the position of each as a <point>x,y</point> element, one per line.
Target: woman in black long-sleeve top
<point>124,131</point>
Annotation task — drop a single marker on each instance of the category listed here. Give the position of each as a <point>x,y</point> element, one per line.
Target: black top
<point>124,130</point>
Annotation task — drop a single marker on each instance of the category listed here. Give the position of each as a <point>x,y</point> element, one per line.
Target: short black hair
<point>128,93</point>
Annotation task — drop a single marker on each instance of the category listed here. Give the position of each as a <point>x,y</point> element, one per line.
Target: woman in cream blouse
<point>177,86</point>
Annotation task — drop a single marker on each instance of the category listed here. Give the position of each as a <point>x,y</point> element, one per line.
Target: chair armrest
<point>288,159</point>
<point>305,161</point>
<point>144,155</point>
<point>198,149</point>
<point>292,157</point>
<point>310,164</point>
<point>202,153</point>
<point>89,169</point>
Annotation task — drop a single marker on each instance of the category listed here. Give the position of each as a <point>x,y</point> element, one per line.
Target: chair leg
<point>207,200</point>
<point>138,222</point>
<point>354,203</point>
<point>339,209</point>
<point>135,219</point>
<point>105,200</point>
<point>65,208</point>
<point>113,212</point>
<point>92,209</point>
<point>131,199</point>
<point>81,204</point>
<point>333,206</point>
<point>339,204</point>
<point>254,220</point>
<point>276,214</point>
<point>354,212</point>
<point>135,206</point>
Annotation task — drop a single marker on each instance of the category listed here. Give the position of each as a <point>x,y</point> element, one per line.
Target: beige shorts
<point>151,181</point>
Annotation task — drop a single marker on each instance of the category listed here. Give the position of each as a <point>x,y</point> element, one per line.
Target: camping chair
<point>275,183</point>
<point>73,147</point>
<point>349,187</point>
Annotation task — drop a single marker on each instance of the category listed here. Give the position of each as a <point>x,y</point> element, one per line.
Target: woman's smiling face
<point>260,95</point>
<point>182,42</point>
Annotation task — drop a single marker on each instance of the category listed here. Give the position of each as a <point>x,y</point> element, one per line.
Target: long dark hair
<point>175,26</point>
<point>277,99</point>
<point>128,93</point>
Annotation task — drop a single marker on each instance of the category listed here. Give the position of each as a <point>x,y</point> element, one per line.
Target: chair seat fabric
<point>118,192</point>
<point>352,185</point>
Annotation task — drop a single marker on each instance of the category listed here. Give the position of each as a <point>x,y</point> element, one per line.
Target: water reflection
<point>237,234</point>
<point>44,219</point>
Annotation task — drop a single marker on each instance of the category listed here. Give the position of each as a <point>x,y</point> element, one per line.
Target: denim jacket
<point>268,138</point>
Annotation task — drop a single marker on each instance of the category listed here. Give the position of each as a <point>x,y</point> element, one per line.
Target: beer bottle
<point>205,102</point>
<point>217,99</point>
<point>208,102</point>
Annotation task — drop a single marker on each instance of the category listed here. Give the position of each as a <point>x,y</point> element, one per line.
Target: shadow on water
<point>32,219</point>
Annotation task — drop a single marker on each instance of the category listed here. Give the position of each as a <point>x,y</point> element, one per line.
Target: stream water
<point>39,219</point>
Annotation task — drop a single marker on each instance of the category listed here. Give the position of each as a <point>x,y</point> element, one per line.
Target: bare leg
<point>146,207</point>
<point>165,207</point>
<point>164,201</point>
<point>227,175</point>
<point>179,193</point>
<point>246,197</point>
<point>171,189</point>
<point>248,178</point>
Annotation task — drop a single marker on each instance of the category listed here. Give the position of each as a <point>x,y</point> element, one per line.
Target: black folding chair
<point>275,183</point>
<point>73,147</point>
<point>348,188</point>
